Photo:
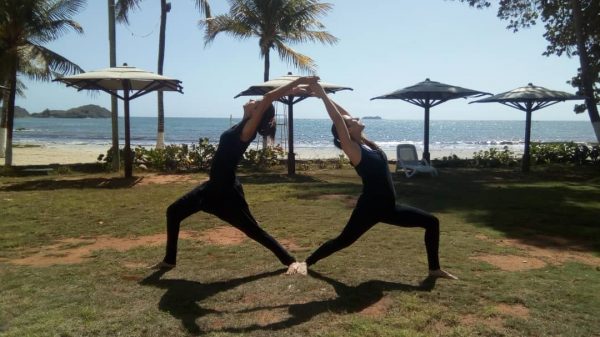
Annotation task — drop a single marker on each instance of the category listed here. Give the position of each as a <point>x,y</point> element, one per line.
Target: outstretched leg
<point>182,208</point>
<point>359,223</point>
<point>407,216</point>
<point>239,216</point>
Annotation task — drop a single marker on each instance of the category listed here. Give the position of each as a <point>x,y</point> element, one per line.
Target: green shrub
<point>495,158</point>
<point>263,158</point>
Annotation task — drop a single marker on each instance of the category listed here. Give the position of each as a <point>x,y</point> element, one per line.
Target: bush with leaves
<point>495,158</point>
<point>574,153</point>
<point>263,158</point>
<point>173,158</point>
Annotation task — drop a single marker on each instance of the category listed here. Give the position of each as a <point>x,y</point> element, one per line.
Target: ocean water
<point>448,136</point>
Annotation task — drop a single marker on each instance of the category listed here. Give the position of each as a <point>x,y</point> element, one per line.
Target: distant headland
<point>84,111</point>
<point>371,117</point>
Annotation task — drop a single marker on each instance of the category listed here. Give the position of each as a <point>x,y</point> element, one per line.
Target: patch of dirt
<point>271,316</point>
<point>377,309</point>
<point>162,179</point>
<point>290,245</point>
<point>551,250</point>
<point>492,322</point>
<point>223,235</point>
<point>512,262</point>
<point>514,310</point>
<point>77,250</point>
<point>348,200</point>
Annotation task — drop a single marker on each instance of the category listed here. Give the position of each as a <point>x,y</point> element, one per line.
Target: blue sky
<point>383,46</point>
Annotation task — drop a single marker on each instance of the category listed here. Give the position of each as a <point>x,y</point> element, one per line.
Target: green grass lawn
<point>74,249</point>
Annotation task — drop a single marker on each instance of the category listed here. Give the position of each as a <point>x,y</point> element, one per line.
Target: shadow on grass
<point>274,178</point>
<point>349,300</point>
<point>84,183</point>
<point>181,296</point>
<point>538,208</point>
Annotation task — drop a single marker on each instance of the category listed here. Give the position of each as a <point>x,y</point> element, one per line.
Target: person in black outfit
<point>222,195</point>
<point>377,203</point>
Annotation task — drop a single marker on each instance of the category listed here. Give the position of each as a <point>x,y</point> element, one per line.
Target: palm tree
<point>123,7</point>
<point>276,23</point>
<point>25,26</point>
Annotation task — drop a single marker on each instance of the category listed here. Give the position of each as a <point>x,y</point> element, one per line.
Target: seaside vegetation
<point>74,247</point>
<point>198,157</point>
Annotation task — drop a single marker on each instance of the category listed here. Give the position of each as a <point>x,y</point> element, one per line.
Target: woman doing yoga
<point>377,203</point>
<point>222,195</point>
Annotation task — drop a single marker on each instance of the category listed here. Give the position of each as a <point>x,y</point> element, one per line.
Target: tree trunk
<point>586,79</point>
<point>265,141</point>
<point>114,106</point>
<point>10,115</point>
<point>160,137</point>
<point>3,123</point>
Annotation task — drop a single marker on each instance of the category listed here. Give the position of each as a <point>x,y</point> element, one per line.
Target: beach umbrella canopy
<point>529,98</point>
<point>428,94</point>
<point>133,82</point>
<point>263,88</point>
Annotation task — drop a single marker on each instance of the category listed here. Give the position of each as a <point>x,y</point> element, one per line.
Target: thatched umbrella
<point>134,82</point>
<point>529,99</point>
<point>428,94</point>
<point>263,88</point>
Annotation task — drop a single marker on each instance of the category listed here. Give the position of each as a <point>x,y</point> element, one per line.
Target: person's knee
<point>172,211</point>
<point>434,222</point>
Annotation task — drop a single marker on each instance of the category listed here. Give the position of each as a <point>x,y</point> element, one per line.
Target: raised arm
<point>337,113</point>
<point>268,98</point>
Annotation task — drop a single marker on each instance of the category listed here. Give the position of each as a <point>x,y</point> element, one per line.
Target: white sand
<point>57,154</point>
<point>72,154</point>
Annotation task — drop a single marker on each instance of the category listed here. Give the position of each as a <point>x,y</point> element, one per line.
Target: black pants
<point>227,203</point>
<point>370,211</point>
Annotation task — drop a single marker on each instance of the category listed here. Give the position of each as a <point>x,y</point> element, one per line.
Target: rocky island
<point>84,111</point>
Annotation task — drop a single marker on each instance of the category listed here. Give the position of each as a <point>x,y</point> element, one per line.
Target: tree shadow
<point>84,183</point>
<point>181,297</point>
<point>350,299</point>
<point>538,208</point>
<point>275,178</point>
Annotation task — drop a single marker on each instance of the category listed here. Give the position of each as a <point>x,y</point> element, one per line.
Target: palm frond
<point>53,30</point>
<point>124,7</point>
<point>300,61</point>
<point>312,36</point>
<point>204,8</point>
<point>41,63</point>
<point>224,24</point>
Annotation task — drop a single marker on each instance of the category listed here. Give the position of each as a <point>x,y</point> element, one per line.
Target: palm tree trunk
<point>10,115</point>
<point>114,106</point>
<point>266,78</point>
<point>267,65</point>
<point>3,123</point>
<point>160,137</point>
<point>586,80</point>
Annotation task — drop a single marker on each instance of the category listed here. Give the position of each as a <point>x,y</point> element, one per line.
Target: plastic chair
<point>408,161</point>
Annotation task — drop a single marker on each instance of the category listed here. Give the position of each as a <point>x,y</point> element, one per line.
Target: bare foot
<point>292,268</point>
<point>440,273</point>
<point>162,265</point>
<point>302,268</point>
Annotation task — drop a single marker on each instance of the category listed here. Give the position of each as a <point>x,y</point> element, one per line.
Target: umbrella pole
<point>426,134</point>
<point>525,164</point>
<point>127,151</point>
<point>291,162</point>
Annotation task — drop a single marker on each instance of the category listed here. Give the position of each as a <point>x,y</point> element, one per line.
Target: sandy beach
<point>72,154</point>
<point>57,154</point>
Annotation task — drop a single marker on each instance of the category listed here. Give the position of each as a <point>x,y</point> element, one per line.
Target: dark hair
<point>338,143</point>
<point>336,137</point>
<point>267,126</point>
